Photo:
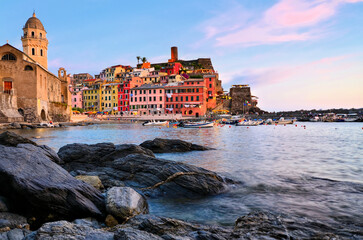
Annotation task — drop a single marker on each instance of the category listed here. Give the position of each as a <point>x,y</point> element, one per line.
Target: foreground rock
<point>62,230</point>
<point>37,187</point>
<point>125,202</point>
<point>256,225</point>
<point>160,145</point>
<point>136,167</point>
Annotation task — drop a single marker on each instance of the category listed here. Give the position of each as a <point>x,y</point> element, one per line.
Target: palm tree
<point>138,59</point>
<point>143,60</point>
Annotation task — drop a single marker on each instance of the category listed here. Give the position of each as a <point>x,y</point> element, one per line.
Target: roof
<point>34,22</point>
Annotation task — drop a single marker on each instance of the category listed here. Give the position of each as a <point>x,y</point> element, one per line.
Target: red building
<point>187,97</point>
<point>124,92</point>
<point>211,82</point>
<point>172,68</point>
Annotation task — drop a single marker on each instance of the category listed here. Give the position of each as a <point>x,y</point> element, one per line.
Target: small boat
<point>155,123</point>
<point>248,123</point>
<point>352,117</point>
<point>198,125</point>
<point>282,121</point>
<point>314,119</point>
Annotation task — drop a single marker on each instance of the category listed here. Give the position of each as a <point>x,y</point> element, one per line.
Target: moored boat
<point>282,121</point>
<point>248,123</point>
<point>198,125</point>
<point>155,123</point>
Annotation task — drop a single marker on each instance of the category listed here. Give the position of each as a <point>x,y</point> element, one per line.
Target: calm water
<point>315,172</point>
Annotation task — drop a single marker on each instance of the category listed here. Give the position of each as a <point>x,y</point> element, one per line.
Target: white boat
<point>314,119</point>
<point>285,121</point>
<point>155,123</point>
<point>352,117</point>
<point>199,125</point>
<point>248,123</point>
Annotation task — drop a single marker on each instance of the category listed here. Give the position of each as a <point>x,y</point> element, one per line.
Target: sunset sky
<point>295,54</point>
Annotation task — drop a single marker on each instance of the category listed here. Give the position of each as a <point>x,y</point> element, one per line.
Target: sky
<point>294,54</point>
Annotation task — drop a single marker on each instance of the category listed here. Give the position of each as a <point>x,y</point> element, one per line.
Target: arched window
<point>9,57</point>
<point>32,34</point>
<point>28,68</point>
<point>33,51</point>
<point>41,52</point>
<point>40,35</point>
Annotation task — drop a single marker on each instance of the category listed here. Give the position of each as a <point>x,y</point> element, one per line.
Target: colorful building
<point>109,98</point>
<point>124,93</point>
<point>187,97</point>
<point>91,94</point>
<point>148,99</point>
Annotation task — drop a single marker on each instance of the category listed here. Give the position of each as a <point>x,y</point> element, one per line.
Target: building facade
<point>35,93</point>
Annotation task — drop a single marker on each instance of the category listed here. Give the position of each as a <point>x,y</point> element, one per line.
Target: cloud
<point>285,21</point>
<point>321,69</point>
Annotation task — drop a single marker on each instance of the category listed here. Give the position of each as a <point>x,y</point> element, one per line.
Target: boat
<point>248,123</point>
<point>283,121</point>
<point>198,125</point>
<point>314,119</point>
<point>352,117</point>
<point>155,123</point>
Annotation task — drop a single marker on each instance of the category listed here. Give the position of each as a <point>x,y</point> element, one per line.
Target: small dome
<point>34,22</point>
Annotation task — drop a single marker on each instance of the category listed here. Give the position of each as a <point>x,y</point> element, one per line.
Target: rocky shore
<point>101,191</point>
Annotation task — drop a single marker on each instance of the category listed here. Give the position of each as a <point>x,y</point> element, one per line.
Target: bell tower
<point>35,42</point>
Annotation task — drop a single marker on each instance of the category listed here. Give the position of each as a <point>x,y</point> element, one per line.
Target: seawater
<point>314,172</point>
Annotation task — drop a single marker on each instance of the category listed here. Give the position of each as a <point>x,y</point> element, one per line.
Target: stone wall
<point>239,97</point>
<point>59,112</point>
<point>8,108</point>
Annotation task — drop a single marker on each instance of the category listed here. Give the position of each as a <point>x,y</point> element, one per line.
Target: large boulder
<point>36,186</point>
<point>12,220</point>
<point>125,202</point>
<point>168,177</point>
<point>14,234</point>
<point>12,139</point>
<point>86,156</point>
<point>161,145</point>
<point>62,230</point>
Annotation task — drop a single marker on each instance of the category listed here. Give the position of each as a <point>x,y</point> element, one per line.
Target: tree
<point>143,60</point>
<point>138,59</point>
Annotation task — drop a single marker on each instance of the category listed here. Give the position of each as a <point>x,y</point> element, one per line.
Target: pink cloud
<point>285,21</point>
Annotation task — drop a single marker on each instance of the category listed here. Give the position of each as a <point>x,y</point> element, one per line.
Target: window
<point>40,35</point>
<point>140,99</point>
<point>210,85</point>
<point>176,99</point>
<point>33,51</point>
<point>160,91</point>
<point>210,79</point>
<point>161,98</point>
<point>144,99</point>
<point>32,34</point>
<point>8,85</point>
<point>154,99</point>
<point>161,105</point>
<point>9,57</point>
<point>181,99</point>
<point>191,98</point>
<point>41,52</point>
<point>150,99</point>
<point>197,90</point>
<point>28,68</point>
<point>154,91</point>
<point>150,91</point>
<point>186,98</point>
<point>197,98</point>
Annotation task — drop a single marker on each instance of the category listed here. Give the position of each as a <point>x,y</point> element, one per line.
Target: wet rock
<point>36,186</point>
<point>125,202</point>
<point>160,145</point>
<point>94,181</point>
<point>91,222</point>
<point>3,205</point>
<point>12,220</point>
<point>168,177</point>
<point>134,234</point>
<point>11,139</point>
<point>62,230</point>
<point>14,234</point>
<point>169,228</point>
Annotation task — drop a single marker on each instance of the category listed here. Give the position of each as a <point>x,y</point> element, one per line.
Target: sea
<point>307,170</point>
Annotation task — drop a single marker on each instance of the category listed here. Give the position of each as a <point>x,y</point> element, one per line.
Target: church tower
<point>35,42</point>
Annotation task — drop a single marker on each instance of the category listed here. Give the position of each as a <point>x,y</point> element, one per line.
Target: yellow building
<point>109,98</point>
<point>91,97</point>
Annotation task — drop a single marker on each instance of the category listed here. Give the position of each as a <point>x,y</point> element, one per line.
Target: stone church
<point>28,91</point>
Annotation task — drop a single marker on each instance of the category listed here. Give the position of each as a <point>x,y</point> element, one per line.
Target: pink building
<point>148,99</point>
<point>76,95</point>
